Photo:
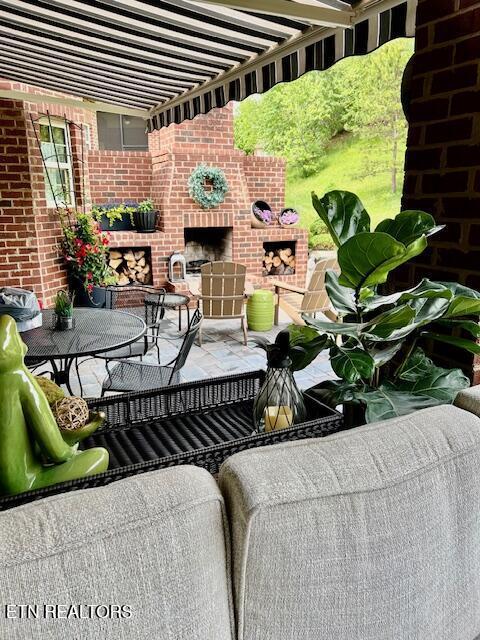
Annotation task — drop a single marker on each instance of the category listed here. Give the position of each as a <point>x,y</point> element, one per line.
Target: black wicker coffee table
<point>95,331</point>
<point>200,423</point>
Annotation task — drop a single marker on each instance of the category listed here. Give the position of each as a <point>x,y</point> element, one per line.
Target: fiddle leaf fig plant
<point>374,348</point>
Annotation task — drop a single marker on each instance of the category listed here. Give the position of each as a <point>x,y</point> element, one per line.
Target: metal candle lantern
<point>279,403</point>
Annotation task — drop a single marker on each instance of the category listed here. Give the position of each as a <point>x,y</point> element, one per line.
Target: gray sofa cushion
<point>370,534</point>
<point>469,399</point>
<point>154,542</point>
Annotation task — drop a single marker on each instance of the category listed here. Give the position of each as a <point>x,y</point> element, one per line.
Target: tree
<point>294,120</point>
<point>360,94</point>
<point>373,110</point>
<point>245,124</point>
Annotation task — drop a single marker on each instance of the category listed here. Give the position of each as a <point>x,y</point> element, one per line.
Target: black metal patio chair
<point>142,301</point>
<point>127,375</point>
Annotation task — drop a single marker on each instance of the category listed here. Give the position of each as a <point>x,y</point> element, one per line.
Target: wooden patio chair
<point>311,300</point>
<point>222,294</point>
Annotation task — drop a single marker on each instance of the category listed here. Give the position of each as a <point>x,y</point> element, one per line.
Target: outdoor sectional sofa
<point>368,534</point>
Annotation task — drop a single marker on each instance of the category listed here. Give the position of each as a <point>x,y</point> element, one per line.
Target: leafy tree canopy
<point>361,95</point>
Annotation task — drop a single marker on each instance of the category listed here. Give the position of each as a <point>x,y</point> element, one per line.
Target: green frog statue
<point>33,453</point>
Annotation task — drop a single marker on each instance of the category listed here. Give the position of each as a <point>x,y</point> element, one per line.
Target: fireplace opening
<point>208,244</point>
<point>279,258</point>
<point>132,264</point>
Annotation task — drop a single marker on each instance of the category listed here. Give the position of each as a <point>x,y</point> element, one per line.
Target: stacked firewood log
<point>131,266</point>
<point>280,262</point>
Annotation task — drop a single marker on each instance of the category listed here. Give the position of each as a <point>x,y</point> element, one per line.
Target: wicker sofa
<point>372,534</point>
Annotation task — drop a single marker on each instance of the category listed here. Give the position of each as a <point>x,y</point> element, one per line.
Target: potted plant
<point>64,310</point>
<point>114,216</point>
<point>261,214</point>
<point>377,351</point>
<point>85,250</point>
<point>145,217</point>
<point>288,217</point>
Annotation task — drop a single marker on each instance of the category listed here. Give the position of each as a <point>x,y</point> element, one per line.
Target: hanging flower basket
<point>207,199</point>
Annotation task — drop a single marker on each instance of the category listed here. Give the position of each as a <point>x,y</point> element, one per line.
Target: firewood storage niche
<point>279,258</point>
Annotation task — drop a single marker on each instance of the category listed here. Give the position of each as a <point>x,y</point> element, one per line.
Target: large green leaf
<point>436,382</point>
<point>352,364</point>
<point>305,345</point>
<point>461,343</point>
<point>399,322</point>
<point>465,301</point>
<point>351,329</point>
<point>341,297</point>
<point>389,324</point>
<point>421,384</point>
<point>409,226</point>
<point>425,289</point>
<point>383,355</point>
<point>333,392</point>
<point>385,403</point>
<point>343,214</point>
<point>416,366</point>
<point>471,326</point>
<point>425,310</point>
<point>367,258</point>
<point>382,327</point>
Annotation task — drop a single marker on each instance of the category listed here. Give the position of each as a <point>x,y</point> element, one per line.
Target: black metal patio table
<point>95,331</point>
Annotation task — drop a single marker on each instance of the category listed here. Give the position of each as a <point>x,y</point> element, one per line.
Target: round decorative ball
<point>71,413</point>
<point>207,199</point>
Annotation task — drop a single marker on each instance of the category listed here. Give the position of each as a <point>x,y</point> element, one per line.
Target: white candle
<point>278,418</point>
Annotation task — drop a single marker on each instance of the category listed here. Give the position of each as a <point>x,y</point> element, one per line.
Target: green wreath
<point>196,186</point>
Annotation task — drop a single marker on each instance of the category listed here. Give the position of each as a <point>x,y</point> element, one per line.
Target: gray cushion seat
<point>155,542</point>
<point>371,534</point>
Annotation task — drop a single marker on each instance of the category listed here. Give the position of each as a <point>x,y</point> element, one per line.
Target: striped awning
<point>174,59</point>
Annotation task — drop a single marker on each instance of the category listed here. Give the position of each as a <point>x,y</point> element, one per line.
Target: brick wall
<point>266,176</point>
<point>31,231</point>
<point>178,149</point>
<point>18,240</point>
<point>443,154</point>
<point>119,175</point>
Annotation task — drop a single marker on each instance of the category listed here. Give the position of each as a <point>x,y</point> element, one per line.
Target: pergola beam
<point>295,10</point>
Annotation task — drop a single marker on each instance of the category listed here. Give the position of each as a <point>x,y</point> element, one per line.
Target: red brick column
<point>443,151</point>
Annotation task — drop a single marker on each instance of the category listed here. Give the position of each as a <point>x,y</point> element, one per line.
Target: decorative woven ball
<point>71,413</point>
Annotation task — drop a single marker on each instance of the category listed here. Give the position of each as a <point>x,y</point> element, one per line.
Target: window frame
<point>120,127</point>
<point>53,163</point>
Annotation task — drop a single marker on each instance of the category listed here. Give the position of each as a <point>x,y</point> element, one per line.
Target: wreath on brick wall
<point>207,199</point>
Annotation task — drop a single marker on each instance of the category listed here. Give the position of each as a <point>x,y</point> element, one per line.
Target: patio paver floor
<point>221,353</point>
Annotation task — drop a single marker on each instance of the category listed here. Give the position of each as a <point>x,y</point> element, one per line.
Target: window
<point>121,133</point>
<point>57,156</point>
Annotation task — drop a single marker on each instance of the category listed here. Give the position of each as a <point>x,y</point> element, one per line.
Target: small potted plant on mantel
<point>145,217</point>
<point>63,319</point>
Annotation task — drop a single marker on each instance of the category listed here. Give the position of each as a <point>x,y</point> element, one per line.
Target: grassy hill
<point>344,168</point>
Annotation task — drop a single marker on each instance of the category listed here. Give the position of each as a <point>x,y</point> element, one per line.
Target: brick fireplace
<point>31,229</point>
